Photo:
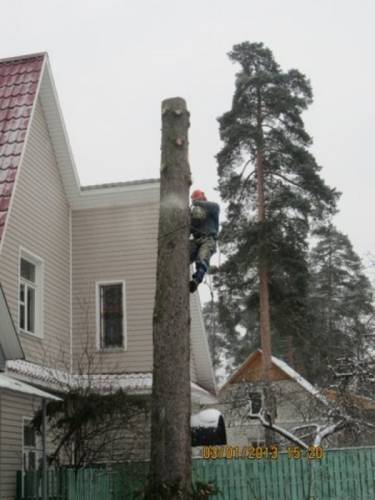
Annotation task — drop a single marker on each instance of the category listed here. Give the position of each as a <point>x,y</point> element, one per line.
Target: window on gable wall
<point>30,295</point>
<point>255,402</point>
<point>111,315</point>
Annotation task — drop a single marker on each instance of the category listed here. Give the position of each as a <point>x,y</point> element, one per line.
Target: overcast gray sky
<point>115,60</point>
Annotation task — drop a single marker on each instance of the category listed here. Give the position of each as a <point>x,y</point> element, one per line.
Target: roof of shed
<point>19,80</point>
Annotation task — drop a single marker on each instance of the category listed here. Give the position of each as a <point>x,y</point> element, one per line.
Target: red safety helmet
<point>198,195</point>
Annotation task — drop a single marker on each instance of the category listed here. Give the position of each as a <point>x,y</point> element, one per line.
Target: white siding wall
<point>14,406</point>
<point>117,243</point>
<point>39,222</point>
<point>108,243</point>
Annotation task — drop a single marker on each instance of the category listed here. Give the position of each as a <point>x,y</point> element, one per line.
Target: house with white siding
<point>77,265</point>
<point>300,407</point>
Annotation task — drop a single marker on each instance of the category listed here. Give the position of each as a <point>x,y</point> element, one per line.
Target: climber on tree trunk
<point>204,228</point>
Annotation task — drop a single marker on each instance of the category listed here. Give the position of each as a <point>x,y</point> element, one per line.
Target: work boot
<point>197,277</point>
<point>201,270</point>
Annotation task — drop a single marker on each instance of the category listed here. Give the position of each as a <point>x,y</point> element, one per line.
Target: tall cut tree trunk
<point>171,398</point>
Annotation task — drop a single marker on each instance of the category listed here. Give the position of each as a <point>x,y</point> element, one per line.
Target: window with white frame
<point>257,405</point>
<point>30,291</point>
<point>111,315</point>
<point>32,447</point>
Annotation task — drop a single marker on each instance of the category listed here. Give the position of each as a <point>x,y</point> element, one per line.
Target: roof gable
<point>23,80</point>
<point>251,371</point>
<point>19,82</point>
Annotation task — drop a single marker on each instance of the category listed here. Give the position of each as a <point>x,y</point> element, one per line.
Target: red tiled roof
<point>19,80</point>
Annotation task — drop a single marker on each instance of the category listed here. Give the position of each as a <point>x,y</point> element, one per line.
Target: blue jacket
<point>204,219</point>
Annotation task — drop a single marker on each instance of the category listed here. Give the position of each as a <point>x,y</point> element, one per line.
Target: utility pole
<point>171,392</point>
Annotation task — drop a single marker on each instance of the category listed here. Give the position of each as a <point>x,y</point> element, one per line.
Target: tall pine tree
<point>340,305</point>
<point>265,126</point>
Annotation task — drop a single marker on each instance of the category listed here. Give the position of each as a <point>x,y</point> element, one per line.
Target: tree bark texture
<point>171,398</point>
<point>264,308</point>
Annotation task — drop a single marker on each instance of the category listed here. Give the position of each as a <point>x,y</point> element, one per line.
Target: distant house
<point>299,405</point>
<point>77,265</point>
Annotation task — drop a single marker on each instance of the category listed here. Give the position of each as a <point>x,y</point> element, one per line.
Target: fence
<point>120,482</point>
<point>340,475</point>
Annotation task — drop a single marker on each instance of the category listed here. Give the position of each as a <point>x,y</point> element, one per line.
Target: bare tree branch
<point>269,425</point>
<point>287,180</point>
<point>325,431</point>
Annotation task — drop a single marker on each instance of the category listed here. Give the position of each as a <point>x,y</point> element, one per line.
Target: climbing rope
<point>209,282</point>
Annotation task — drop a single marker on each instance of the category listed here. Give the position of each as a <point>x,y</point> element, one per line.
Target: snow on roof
<point>15,385</point>
<point>299,379</point>
<point>119,184</point>
<point>200,395</point>
<point>206,418</point>
<point>133,383</point>
<point>62,380</point>
<point>48,377</point>
<point>140,383</point>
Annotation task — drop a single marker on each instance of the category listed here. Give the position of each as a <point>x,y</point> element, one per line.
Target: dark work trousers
<point>201,250</point>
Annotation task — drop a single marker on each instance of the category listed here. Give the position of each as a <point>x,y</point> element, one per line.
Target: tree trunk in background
<point>264,306</point>
<point>171,398</point>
